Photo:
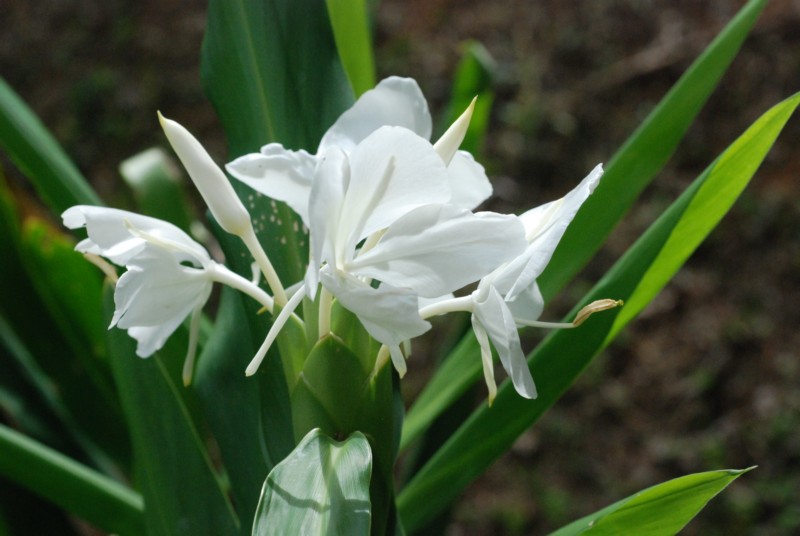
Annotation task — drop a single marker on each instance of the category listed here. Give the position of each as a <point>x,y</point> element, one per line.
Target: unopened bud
<point>209,179</point>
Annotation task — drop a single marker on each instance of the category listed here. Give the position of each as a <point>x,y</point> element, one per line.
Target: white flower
<point>169,276</point>
<point>509,296</point>
<point>379,214</point>
<point>288,175</point>
<point>168,272</point>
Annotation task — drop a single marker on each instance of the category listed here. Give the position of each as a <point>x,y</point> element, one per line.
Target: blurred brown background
<point>707,377</point>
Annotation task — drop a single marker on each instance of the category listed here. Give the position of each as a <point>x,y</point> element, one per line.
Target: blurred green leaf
<point>38,155</point>
<point>350,23</point>
<point>76,488</point>
<point>558,361</point>
<point>49,289</point>
<point>272,72</point>
<point>157,187</point>
<point>181,491</point>
<point>629,171</point>
<point>474,77</point>
<point>322,487</point>
<point>232,404</point>
<point>661,510</point>
<point>645,153</point>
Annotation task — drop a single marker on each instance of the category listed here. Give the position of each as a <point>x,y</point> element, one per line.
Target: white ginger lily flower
<point>169,276</point>
<point>288,175</point>
<point>509,297</point>
<point>379,214</point>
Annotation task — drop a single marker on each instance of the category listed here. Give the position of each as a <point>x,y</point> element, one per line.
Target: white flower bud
<point>209,179</point>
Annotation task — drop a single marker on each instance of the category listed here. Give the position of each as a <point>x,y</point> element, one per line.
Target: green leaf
<point>272,72</point>
<point>74,487</point>
<point>181,491</point>
<point>474,77</point>
<point>38,155</point>
<point>232,404</point>
<point>351,32</point>
<point>322,487</point>
<point>661,510</point>
<point>645,153</point>
<point>337,393</point>
<point>557,362</point>
<point>628,172</point>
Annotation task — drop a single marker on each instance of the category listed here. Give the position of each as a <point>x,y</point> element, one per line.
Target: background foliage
<point>571,87</point>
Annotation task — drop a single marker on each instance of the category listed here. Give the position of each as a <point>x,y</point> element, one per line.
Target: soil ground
<point>706,378</point>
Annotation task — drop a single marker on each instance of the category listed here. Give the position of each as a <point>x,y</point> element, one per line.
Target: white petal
<point>436,249</point>
<point>391,172</point>
<point>110,234</point>
<point>528,304</point>
<point>495,317</point>
<point>325,206</point>
<point>158,290</point>
<point>393,102</point>
<point>544,227</point>
<point>448,144</point>
<point>468,181</point>
<point>389,314</point>
<point>486,358</point>
<point>279,174</point>
<point>209,179</point>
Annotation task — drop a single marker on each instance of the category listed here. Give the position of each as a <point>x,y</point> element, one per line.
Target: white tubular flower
<point>169,276</point>
<point>391,190</point>
<point>288,175</point>
<point>509,296</point>
<point>168,273</point>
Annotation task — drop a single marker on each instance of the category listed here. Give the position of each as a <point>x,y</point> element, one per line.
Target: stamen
<point>276,328</point>
<point>595,307</point>
<point>108,270</point>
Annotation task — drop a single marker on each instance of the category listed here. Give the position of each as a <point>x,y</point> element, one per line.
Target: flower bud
<point>209,179</point>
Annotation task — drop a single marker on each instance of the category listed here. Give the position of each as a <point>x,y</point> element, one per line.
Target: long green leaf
<point>350,22</point>
<point>322,487</point>
<point>628,172</point>
<point>39,156</point>
<point>76,488</point>
<point>555,364</point>
<point>181,491</point>
<point>645,153</point>
<point>661,510</point>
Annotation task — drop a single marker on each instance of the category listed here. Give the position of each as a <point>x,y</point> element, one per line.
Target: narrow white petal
<point>217,192</point>
<point>389,314</point>
<point>486,358</point>
<point>544,227</point>
<point>436,249</point>
<point>398,360</point>
<point>495,317</point>
<point>393,102</point>
<point>325,206</point>
<point>448,144</point>
<point>279,174</point>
